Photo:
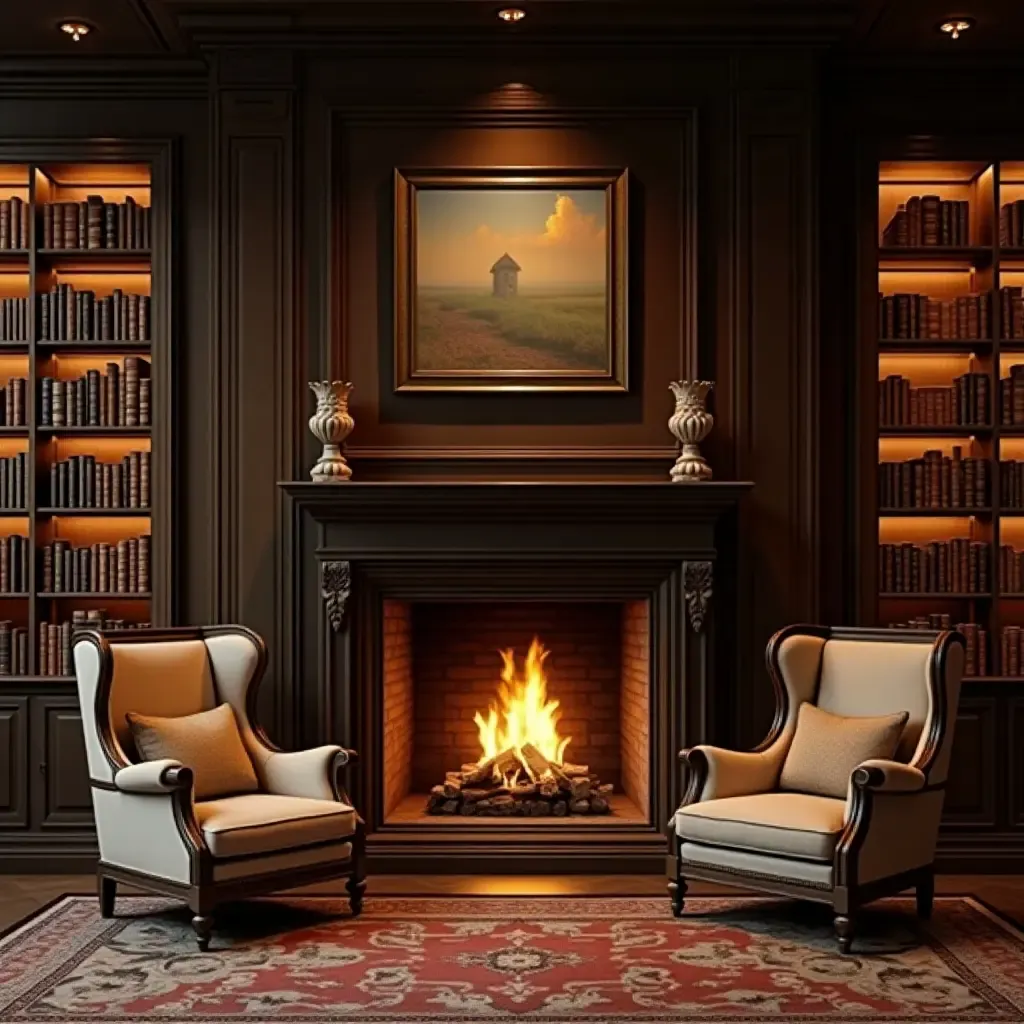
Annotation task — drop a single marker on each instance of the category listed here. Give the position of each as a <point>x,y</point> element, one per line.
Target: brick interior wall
<point>398,702</point>
<point>457,669</point>
<point>634,701</point>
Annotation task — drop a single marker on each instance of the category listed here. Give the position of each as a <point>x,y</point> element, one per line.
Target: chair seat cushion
<point>783,824</point>
<point>237,826</point>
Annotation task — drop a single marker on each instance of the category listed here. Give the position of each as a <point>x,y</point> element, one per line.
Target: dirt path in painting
<point>452,340</point>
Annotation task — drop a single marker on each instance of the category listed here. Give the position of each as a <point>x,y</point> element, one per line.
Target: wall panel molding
<point>255,363</point>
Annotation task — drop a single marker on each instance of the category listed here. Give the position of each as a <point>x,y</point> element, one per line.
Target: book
<point>93,224</point>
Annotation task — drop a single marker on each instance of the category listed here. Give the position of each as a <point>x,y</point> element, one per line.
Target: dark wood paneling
<point>13,762</point>
<point>974,783</point>
<point>1015,768</point>
<point>774,381</point>
<point>60,790</point>
<point>253,366</point>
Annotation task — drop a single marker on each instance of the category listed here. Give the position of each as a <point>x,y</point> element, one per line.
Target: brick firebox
<point>441,664</point>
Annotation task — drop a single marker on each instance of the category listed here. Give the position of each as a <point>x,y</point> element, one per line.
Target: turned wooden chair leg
<point>356,884</point>
<point>844,931</point>
<point>202,925</point>
<point>107,893</point>
<point>677,890</point>
<point>926,894</point>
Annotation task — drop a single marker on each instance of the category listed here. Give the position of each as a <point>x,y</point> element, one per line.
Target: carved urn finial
<point>691,423</point>
<point>330,425</point>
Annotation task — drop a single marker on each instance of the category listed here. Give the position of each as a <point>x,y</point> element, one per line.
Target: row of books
<point>963,403</point>
<point>14,319</point>
<point>957,566</point>
<point>905,315</point>
<point>111,399</point>
<point>934,481</point>
<point>67,314</point>
<point>95,224</point>
<point>13,407</point>
<point>13,649</point>
<point>976,637</point>
<point>82,481</point>
<point>1011,224</point>
<point>1011,311</point>
<point>121,567</point>
<point>1011,569</point>
<point>14,564</point>
<point>14,227</point>
<point>53,657</point>
<point>1011,484</point>
<point>13,477</point>
<point>1011,651</point>
<point>929,220</point>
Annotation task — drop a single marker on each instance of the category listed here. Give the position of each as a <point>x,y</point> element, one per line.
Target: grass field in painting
<point>459,328</point>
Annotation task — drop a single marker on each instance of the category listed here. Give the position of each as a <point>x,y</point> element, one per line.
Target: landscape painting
<point>511,283</point>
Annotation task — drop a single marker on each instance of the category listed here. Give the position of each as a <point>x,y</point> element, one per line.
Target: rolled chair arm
<point>164,776</point>
<point>307,773</point>
<point>716,773</point>
<point>888,777</point>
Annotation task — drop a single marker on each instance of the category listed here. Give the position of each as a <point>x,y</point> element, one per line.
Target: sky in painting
<point>557,237</point>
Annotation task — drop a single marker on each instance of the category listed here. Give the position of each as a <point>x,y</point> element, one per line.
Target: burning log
<point>536,763</point>
<point>507,762</point>
<point>478,773</point>
<point>580,789</point>
<point>574,770</point>
<point>548,789</point>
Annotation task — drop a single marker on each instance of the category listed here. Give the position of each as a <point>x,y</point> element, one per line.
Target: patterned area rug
<point>543,959</point>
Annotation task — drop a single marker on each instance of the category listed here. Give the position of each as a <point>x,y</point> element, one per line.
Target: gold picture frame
<point>463,323</point>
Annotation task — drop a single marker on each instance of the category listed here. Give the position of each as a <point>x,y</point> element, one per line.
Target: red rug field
<point>468,959</point>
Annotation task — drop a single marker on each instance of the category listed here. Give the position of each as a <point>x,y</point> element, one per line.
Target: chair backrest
<point>874,672</point>
<point>161,672</point>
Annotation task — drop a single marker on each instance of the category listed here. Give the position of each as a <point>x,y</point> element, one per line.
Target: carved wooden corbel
<point>336,588</point>
<point>697,581</point>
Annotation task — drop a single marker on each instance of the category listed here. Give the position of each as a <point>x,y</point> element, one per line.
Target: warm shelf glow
<point>92,530</point>
<point>106,449</point>
<point>896,530</point>
<point>925,369</point>
<point>899,449</point>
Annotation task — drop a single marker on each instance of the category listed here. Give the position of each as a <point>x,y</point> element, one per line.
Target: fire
<point>522,714</point>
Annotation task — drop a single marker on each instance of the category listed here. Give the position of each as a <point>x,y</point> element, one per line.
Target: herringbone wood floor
<point>20,895</point>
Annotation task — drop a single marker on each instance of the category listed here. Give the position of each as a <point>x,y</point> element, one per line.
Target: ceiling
<point>169,27</point>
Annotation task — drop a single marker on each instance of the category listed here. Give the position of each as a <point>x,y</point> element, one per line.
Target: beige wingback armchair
<point>298,827</point>
<point>735,825</point>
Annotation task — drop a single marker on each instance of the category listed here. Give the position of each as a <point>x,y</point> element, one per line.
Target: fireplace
<point>408,595</point>
<point>529,711</point>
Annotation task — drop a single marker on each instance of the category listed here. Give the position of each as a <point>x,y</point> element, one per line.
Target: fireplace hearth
<point>434,606</point>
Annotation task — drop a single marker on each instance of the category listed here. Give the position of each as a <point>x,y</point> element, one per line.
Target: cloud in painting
<point>558,238</point>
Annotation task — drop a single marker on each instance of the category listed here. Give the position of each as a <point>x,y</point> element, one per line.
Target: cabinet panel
<point>973,784</point>
<point>13,758</point>
<point>61,795</point>
<point>1015,754</point>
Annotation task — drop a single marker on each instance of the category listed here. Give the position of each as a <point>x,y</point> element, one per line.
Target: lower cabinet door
<point>60,773</point>
<point>13,762</point>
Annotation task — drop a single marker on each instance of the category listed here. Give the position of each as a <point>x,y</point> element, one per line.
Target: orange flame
<point>522,714</point>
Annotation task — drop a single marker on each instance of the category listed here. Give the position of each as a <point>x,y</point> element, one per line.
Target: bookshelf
<point>949,497</point>
<point>85,424</point>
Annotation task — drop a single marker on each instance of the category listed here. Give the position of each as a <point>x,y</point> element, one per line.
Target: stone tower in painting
<point>506,277</point>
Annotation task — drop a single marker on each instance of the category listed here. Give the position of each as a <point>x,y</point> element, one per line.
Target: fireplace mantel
<point>359,544</point>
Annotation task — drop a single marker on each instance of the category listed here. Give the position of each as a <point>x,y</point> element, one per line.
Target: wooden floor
<point>20,895</point>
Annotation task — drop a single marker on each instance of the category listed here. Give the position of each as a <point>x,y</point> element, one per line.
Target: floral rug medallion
<point>462,959</point>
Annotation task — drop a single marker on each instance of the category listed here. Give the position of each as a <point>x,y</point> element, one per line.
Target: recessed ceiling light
<point>955,26</point>
<point>78,30</point>
<point>511,14</point>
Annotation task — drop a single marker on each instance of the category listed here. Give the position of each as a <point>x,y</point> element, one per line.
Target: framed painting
<point>511,281</point>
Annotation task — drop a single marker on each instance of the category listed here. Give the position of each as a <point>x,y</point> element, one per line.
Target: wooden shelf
<point>971,254</point>
<point>994,679</point>
<point>101,513</point>
<point>934,345</point>
<point>14,256</point>
<point>106,596</point>
<point>118,255</point>
<point>925,513</point>
<point>90,348</point>
<point>919,431</point>
<point>13,595</point>
<point>935,597</point>
<point>13,431</point>
<point>95,431</point>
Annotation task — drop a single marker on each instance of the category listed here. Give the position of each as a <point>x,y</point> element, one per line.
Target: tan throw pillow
<point>209,743</point>
<point>826,748</point>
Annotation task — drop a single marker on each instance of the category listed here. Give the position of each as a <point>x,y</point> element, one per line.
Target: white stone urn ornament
<point>691,423</point>
<point>331,424</point>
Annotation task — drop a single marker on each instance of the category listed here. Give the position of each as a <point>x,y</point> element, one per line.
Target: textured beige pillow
<point>826,748</point>
<point>209,743</point>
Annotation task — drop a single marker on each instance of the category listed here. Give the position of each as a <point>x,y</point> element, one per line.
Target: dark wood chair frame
<point>847,895</point>
<point>202,893</point>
